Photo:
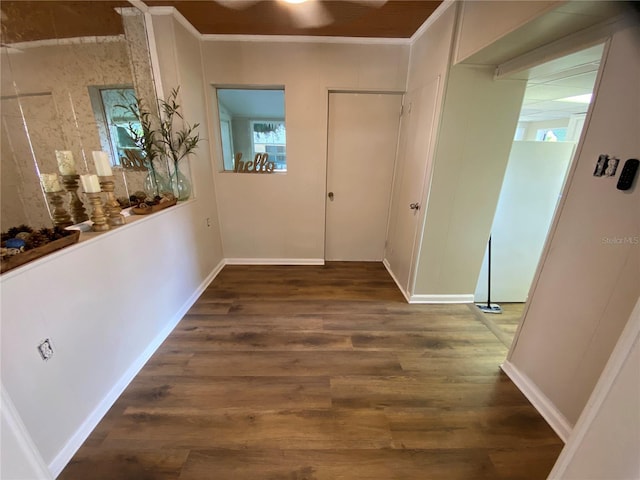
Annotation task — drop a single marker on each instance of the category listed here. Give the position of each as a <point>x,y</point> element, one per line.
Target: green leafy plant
<point>144,137</point>
<point>159,137</point>
<point>178,143</point>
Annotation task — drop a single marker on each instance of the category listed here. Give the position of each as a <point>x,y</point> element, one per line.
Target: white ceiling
<point>255,103</point>
<point>564,77</point>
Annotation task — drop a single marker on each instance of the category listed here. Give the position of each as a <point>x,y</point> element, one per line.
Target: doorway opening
<point>553,113</point>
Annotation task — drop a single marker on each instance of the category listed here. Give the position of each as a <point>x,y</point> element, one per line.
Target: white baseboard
<point>463,298</point>
<point>539,400</point>
<point>21,459</point>
<point>75,442</point>
<point>274,261</point>
<point>386,264</point>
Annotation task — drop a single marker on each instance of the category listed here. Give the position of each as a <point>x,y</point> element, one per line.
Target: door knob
<point>330,195</point>
<point>414,206</point>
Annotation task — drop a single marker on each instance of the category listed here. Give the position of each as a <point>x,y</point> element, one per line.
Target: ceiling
<point>558,79</point>
<point>258,103</point>
<point>355,18</point>
<point>26,20</point>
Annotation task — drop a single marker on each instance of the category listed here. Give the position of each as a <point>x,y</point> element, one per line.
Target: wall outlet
<point>45,349</point>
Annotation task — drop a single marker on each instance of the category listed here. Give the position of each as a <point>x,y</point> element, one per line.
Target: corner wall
<point>478,123</point>
<point>281,217</point>
<point>589,279</point>
<point>107,303</point>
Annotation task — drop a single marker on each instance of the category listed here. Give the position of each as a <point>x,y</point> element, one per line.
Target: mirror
<point>65,67</point>
<point>252,123</point>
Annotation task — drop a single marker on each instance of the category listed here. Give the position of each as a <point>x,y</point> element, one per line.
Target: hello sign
<point>260,164</point>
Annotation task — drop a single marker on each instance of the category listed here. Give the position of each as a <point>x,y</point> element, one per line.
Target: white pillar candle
<point>50,182</point>
<point>102,163</point>
<point>66,165</point>
<point>90,183</point>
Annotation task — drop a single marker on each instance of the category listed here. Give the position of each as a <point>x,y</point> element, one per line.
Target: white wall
<point>528,198</point>
<point>476,134</point>
<point>19,458</point>
<point>179,55</point>
<point>504,17</point>
<point>428,69</point>
<point>105,304</point>
<point>588,282</point>
<point>604,443</point>
<point>280,217</point>
<point>108,302</point>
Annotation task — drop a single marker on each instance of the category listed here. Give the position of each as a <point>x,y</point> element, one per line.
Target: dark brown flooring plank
<point>320,372</point>
<point>357,464</point>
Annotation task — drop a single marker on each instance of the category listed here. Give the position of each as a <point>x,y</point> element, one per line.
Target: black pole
<point>489,308</point>
<point>489,275</point>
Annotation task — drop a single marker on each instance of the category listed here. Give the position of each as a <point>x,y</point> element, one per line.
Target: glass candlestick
<point>111,206</point>
<point>98,217</point>
<point>59,215</point>
<point>76,206</point>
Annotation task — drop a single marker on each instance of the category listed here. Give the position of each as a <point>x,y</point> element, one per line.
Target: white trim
<point>130,11</point>
<point>570,44</point>
<point>629,337</point>
<point>23,438</point>
<point>274,261</point>
<point>167,10</point>
<point>405,294</point>
<point>461,298</point>
<point>175,13</point>
<point>154,58</point>
<point>438,12</point>
<point>539,400</point>
<point>82,433</point>
<point>56,42</point>
<point>304,39</point>
<point>140,5</point>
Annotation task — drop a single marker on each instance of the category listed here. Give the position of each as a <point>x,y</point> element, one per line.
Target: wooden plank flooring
<point>505,324</point>
<point>320,373</point>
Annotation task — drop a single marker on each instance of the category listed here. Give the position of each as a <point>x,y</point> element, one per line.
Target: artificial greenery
<point>161,136</point>
<point>178,143</point>
<point>145,137</point>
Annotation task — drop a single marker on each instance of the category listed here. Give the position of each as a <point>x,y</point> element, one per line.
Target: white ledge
<point>87,238</point>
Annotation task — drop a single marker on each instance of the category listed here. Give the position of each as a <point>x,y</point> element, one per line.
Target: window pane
<point>252,122</point>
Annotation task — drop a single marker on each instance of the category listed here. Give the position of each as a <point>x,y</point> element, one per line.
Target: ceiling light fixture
<point>586,98</point>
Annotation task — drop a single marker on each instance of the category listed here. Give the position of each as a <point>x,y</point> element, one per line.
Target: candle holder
<point>98,217</point>
<point>60,216</point>
<point>111,206</point>
<point>76,206</point>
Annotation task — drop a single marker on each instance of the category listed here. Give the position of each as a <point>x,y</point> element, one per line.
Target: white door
<point>416,136</point>
<point>363,134</point>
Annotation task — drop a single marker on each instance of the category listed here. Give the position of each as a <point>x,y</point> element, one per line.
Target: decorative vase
<point>180,186</point>
<point>155,184</point>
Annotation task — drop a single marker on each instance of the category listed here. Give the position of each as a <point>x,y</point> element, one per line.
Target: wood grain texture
<point>317,373</point>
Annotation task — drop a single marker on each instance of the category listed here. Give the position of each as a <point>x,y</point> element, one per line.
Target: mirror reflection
<point>65,68</point>
<point>252,122</point>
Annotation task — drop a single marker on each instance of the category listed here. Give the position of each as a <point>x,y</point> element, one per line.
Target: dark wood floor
<point>320,373</point>
<point>505,324</point>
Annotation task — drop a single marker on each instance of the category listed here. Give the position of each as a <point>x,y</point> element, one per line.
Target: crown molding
<point>432,18</point>
<point>56,42</point>
<point>172,11</point>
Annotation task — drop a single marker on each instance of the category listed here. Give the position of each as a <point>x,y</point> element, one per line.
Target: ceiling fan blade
<point>370,3</point>
<point>309,14</point>
<point>237,4</point>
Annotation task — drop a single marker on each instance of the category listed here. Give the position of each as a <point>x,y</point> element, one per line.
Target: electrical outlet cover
<point>46,349</point>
